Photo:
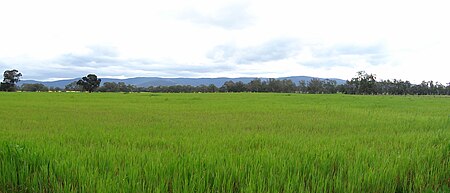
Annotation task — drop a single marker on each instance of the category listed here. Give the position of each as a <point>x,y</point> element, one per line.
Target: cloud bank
<point>51,39</point>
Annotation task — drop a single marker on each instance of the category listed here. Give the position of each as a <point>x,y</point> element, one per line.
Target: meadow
<point>223,142</point>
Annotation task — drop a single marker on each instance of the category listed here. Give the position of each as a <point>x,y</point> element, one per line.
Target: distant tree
<point>315,86</point>
<point>73,86</point>
<point>89,82</point>
<point>116,87</point>
<point>239,86</point>
<point>440,89</point>
<point>255,85</point>
<point>38,87</point>
<point>423,88</point>
<point>212,88</point>
<point>123,87</point>
<point>141,89</point>
<point>365,83</point>
<point>228,86</point>
<point>329,86</point>
<point>10,78</point>
<point>287,86</point>
<point>302,88</point>
<point>447,89</point>
<point>55,89</point>
<point>274,85</point>
<point>131,88</point>
<point>201,88</point>
<point>120,87</point>
<point>109,87</point>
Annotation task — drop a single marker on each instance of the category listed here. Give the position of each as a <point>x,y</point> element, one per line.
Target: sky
<point>58,39</point>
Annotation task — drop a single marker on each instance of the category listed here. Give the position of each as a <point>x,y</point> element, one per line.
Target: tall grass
<point>248,142</point>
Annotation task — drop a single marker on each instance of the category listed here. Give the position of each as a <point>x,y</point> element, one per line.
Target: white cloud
<point>192,38</point>
<point>233,16</point>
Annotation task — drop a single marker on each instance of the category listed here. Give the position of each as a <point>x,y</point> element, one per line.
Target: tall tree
<point>274,85</point>
<point>315,86</point>
<point>10,78</point>
<point>288,86</point>
<point>228,86</point>
<point>255,85</point>
<point>365,83</point>
<point>302,88</point>
<point>89,82</point>
<point>329,86</point>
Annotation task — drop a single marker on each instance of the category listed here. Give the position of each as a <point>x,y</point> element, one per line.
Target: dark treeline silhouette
<point>362,84</point>
<point>366,84</point>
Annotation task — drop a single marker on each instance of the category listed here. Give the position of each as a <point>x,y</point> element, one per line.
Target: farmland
<point>223,142</point>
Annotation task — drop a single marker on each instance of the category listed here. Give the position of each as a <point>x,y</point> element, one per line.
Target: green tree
<point>228,86</point>
<point>239,86</point>
<point>38,87</point>
<point>329,86</point>
<point>255,85</point>
<point>55,89</point>
<point>287,86</point>
<point>274,85</point>
<point>90,82</point>
<point>212,88</point>
<point>10,78</point>
<point>365,83</point>
<point>315,86</point>
<point>302,88</point>
<point>73,86</point>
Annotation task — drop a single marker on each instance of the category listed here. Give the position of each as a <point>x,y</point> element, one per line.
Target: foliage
<point>116,87</point>
<point>37,87</point>
<point>10,78</point>
<point>363,83</point>
<point>73,86</point>
<point>89,83</point>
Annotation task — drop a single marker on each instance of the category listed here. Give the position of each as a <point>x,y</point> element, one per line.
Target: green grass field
<point>220,142</point>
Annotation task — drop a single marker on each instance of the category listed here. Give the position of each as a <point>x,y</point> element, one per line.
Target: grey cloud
<point>270,51</point>
<point>172,69</point>
<point>189,71</point>
<point>350,50</point>
<point>98,56</point>
<point>104,51</point>
<point>346,55</point>
<point>234,16</point>
<point>274,50</point>
<point>204,68</point>
<point>46,70</point>
<point>222,53</point>
<point>128,70</point>
<point>325,62</point>
<point>106,61</point>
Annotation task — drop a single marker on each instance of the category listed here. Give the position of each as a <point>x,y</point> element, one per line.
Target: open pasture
<point>223,142</point>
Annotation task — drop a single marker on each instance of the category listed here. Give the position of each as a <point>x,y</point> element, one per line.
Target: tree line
<point>362,83</point>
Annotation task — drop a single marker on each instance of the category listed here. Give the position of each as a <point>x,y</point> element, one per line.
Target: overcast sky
<point>54,39</point>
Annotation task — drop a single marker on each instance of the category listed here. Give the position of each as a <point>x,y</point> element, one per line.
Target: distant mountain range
<point>156,81</point>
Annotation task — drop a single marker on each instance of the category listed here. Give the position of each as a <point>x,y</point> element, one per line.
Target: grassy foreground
<point>248,142</point>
